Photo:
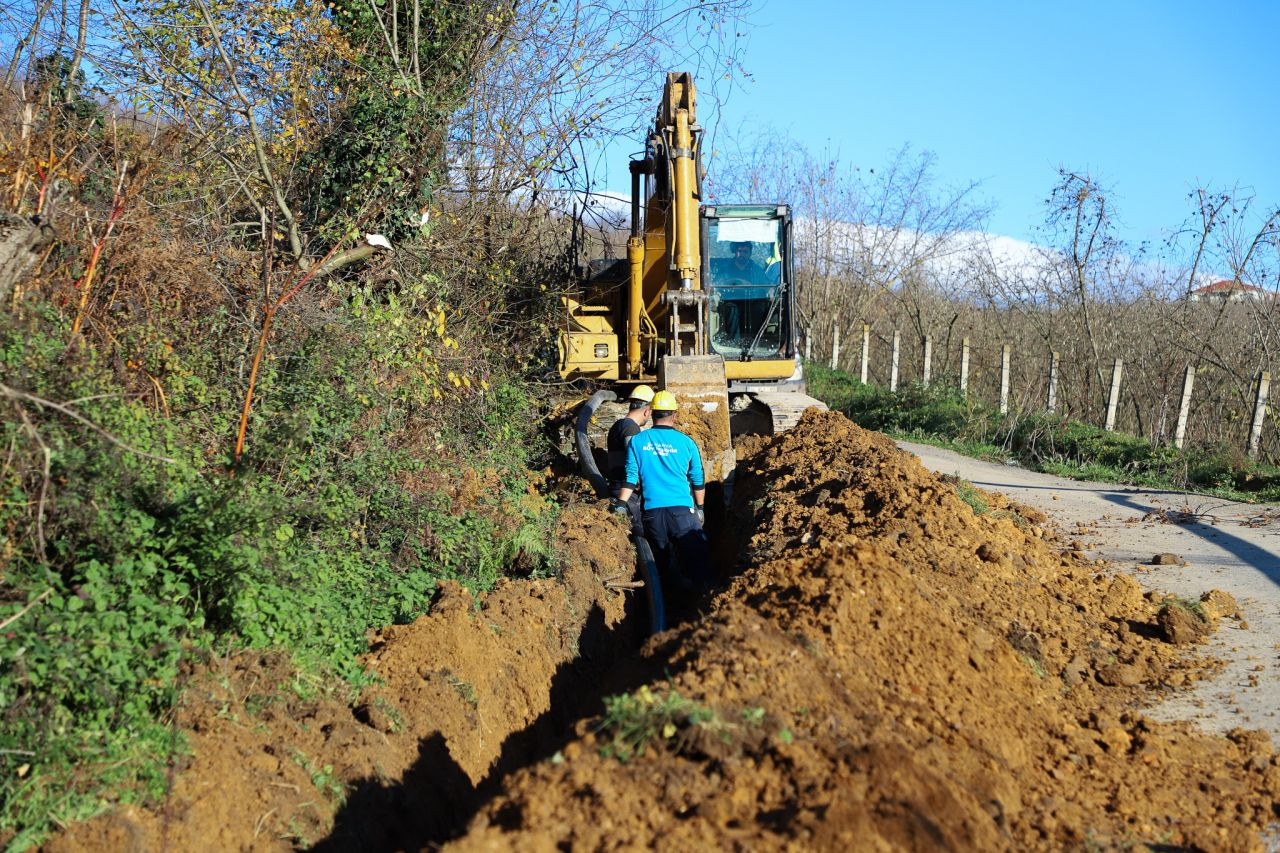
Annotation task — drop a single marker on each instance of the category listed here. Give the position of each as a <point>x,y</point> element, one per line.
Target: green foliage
<point>347,512</point>
<point>68,92</point>
<point>389,144</point>
<point>972,497</point>
<point>633,721</point>
<point>932,410</point>
<point>1042,441</point>
<point>1190,605</point>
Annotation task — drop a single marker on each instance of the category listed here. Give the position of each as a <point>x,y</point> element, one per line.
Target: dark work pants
<point>679,547</point>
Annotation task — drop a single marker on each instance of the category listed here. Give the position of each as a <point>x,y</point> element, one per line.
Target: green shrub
<point>341,518</point>
<point>634,721</point>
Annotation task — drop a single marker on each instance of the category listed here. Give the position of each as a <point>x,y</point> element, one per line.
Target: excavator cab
<point>747,276</point>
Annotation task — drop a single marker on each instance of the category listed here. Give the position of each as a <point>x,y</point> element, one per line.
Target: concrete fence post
<point>1259,412</point>
<point>1004,379</point>
<point>964,367</point>
<point>808,345</point>
<point>1051,398</point>
<point>1184,407</point>
<point>893,364</point>
<point>866,354</point>
<point>1113,394</point>
<point>835,348</point>
<point>928,360</point>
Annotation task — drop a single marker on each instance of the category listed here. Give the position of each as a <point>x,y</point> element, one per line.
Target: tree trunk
<point>22,241</point>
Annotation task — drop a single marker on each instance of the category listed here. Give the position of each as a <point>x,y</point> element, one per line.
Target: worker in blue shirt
<point>666,462</point>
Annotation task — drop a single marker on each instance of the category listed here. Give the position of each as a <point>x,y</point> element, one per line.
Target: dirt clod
<point>1120,675</point>
<point>1181,625</point>
<point>1218,604</point>
<point>1166,559</point>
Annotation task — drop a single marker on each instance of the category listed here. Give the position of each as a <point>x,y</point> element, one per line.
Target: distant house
<point>1230,291</point>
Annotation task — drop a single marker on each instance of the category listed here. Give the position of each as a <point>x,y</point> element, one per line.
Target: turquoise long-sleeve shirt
<point>668,463</point>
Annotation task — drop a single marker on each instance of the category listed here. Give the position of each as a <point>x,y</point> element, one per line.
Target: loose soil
<point>886,669</point>
<point>892,670</point>
<point>463,693</point>
<point>1232,546</point>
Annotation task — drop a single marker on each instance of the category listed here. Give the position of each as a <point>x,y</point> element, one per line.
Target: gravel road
<point>1226,545</point>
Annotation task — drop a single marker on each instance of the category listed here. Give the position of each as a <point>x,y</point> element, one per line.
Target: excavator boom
<point>703,304</point>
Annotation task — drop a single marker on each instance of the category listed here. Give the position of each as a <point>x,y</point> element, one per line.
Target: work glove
<point>619,506</point>
<point>702,516</point>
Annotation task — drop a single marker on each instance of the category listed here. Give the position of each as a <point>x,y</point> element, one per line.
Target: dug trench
<point>460,698</point>
<point>888,667</point>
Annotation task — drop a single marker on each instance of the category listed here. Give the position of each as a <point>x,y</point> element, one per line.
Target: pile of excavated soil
<point>892,670</point>
<point>463,694</point>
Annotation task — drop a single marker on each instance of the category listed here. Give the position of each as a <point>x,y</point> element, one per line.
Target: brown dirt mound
<point>895,671</point>
<point>278,762</point>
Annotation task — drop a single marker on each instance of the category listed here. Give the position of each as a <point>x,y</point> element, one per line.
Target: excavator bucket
<point>699,383</point>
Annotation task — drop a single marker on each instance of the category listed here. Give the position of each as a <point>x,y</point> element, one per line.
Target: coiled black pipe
<point>585,460</point>
<point>652,585</point>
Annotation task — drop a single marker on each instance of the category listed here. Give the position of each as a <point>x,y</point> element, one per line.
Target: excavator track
<point>770,412</point>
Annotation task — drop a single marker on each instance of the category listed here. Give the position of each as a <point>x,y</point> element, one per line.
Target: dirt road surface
<point>1224,545</point>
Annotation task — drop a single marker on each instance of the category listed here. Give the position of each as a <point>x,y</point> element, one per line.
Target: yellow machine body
<point>673,311</point>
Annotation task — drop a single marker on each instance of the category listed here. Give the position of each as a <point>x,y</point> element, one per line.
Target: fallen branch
<point>15,394</point>
<point>15,617</point>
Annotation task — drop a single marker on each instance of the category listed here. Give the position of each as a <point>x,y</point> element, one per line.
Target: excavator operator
<point>742,269</point>
<point>667,464</point>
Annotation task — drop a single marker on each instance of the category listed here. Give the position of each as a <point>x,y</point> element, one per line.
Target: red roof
<point>1228,285</point>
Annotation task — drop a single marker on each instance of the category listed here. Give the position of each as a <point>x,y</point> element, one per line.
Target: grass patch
<point>970,495</point>
<point>633,722</point>
<point>1036,667</point>
<point>1190,605</point>
<point>464,689</point>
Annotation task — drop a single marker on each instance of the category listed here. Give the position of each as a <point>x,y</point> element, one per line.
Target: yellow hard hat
<point>664,401</point>
<point>643,393</point>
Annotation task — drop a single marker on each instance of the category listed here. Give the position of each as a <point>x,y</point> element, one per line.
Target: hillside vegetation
<point>282,277</point>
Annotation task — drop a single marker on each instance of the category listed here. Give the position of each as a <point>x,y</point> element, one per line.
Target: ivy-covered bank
<point>133,547</point>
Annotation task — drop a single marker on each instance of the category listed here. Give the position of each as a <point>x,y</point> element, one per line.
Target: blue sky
<point>1150,97</point>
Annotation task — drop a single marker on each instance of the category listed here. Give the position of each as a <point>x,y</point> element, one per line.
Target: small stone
<point>1166,559</point>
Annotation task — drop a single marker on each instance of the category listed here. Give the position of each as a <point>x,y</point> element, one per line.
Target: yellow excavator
<point>703,305</point>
